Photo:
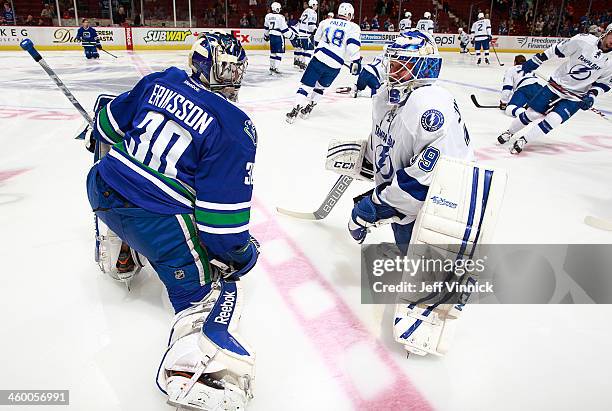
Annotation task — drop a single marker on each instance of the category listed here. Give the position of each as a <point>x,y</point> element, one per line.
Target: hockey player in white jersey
<point>426,24</point>
<point>518,88</point>
<point>464,40</point>
<point>306,27</point>
<point>276,30</point>
<point>369,79</point>
<point>337,43</point>
<point>585,74</point>
<point>481,37</point>
<point>406,22</point>
<point>417,136</point>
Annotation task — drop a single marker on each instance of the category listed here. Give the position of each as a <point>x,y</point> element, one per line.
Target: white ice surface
<point>66,326</point>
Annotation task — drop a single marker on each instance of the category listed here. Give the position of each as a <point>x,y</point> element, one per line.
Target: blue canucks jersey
<point>181,149</point>
<point>87,36</point>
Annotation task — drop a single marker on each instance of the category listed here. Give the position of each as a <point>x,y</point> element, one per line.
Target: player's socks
<point>518,145</point>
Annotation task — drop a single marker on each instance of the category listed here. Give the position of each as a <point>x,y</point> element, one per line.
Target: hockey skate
<point>305,112</point>
<point>274,70</point>
<point>125,261</point>
<point>487,60</point>
<point>292,115</point>
<point>518,146</point>
<point>504,137</point>
<point>479,61</point>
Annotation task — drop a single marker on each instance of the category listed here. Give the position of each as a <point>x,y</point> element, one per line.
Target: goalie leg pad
<point>457,218</point>
<point>207,366</point>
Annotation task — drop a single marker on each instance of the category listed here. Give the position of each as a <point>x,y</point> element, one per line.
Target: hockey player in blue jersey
<point>518,88</point>
<point>337,42</point>
<point>88,36</point>
<point>176,185</point>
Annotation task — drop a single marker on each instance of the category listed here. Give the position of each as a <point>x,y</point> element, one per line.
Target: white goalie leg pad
<point>347,158</point>
<point>459,214</point>
<point>207,366</point>
<point>109,247</point>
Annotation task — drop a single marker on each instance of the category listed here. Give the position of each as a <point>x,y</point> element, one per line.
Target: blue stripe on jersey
<point>331,54</point>
<point>507,87</point>
<point>602,86</point>
<point>470,220</point>
<point>411,185</point>
<point>353,41</point>
<point>558,52</point>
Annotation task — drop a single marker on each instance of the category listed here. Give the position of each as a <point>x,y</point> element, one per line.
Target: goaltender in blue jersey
<point>176,186</point>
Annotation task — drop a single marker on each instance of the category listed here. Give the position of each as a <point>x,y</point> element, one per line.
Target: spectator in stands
<point>374,25</point>
<point>386,24</point>
<point>252,19</point>
<point>292,21</point>
<point>7,17</point>
<point>365,25</point>
<point>29,21</point>
<point>244,21</point>
<point>41,22</point>
<point>119,16</point>
<point>252,2</point>
<point>137,20</point>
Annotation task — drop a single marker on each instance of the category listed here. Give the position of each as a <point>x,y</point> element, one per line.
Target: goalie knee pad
<point>206,365</point>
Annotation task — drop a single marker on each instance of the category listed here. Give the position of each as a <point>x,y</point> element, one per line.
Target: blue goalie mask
<point>219,62</point>
<point>413,60</point>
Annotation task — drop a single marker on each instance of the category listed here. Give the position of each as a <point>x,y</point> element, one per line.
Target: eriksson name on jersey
<point>181,107</point>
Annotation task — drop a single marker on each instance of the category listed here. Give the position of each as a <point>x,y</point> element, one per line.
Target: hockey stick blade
<point>599,223</point>
<point>473,97</point>
<point>328,204</point>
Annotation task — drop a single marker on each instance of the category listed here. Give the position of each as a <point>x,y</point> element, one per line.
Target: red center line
<point>336,330</point>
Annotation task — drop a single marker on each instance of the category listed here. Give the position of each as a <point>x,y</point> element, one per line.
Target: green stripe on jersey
<point>221,219</point>
<point>107,127</point>
<point>198,247</point>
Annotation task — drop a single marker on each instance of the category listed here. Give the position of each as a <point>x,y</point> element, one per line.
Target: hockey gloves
<point>356,67</point>
<point>587,101</point>
<point>237,263</point>
<point>366,213</point>
<point>533,63</point>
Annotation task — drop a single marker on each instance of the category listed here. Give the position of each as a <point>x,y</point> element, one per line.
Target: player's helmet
<point>408,14</point>
<point>460,29</point>
<point>427,15</point>
<point>480,16</point>
<point>313,4</point>
<point>346,10</point>
<point>413,60</point>
<point>275,7</point>
<point>594,30</point>
<point>218,61</point>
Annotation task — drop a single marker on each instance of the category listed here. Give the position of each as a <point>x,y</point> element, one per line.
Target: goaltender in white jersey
<point>417,136</point>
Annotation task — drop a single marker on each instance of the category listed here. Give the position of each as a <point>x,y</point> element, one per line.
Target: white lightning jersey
<point>308,23</point>
<point>481,29</point>
<point>585,68</point>
<point>405,24</point>
<point>515,78</point>
<point>464,37</point>
<point>276,25</point>
<point>377,67</point>
<point>426,25</point>
<point>337,41</point>
<point>407,140</point>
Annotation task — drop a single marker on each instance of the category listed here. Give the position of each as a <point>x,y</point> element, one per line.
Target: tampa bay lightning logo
<point>432,120</point>
<point>384,165</point>
<point>249,129</point>
<point>580,72</point>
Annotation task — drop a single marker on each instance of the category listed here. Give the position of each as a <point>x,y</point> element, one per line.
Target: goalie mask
<point>218,61</point>
<point>412,61</point>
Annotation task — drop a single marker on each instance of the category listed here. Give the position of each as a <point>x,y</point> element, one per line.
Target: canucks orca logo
<point>249,129</point>
<point>432,120</point>
<point>383,161</point>
<point>580,72</point>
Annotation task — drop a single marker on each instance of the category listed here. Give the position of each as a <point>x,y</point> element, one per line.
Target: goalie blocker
<point>459,214</point>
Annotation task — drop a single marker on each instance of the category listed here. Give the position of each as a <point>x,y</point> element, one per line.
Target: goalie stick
<point>473,97</point>
<point>330,201</point>
<point>28,46</point>
<point>597,222</point>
